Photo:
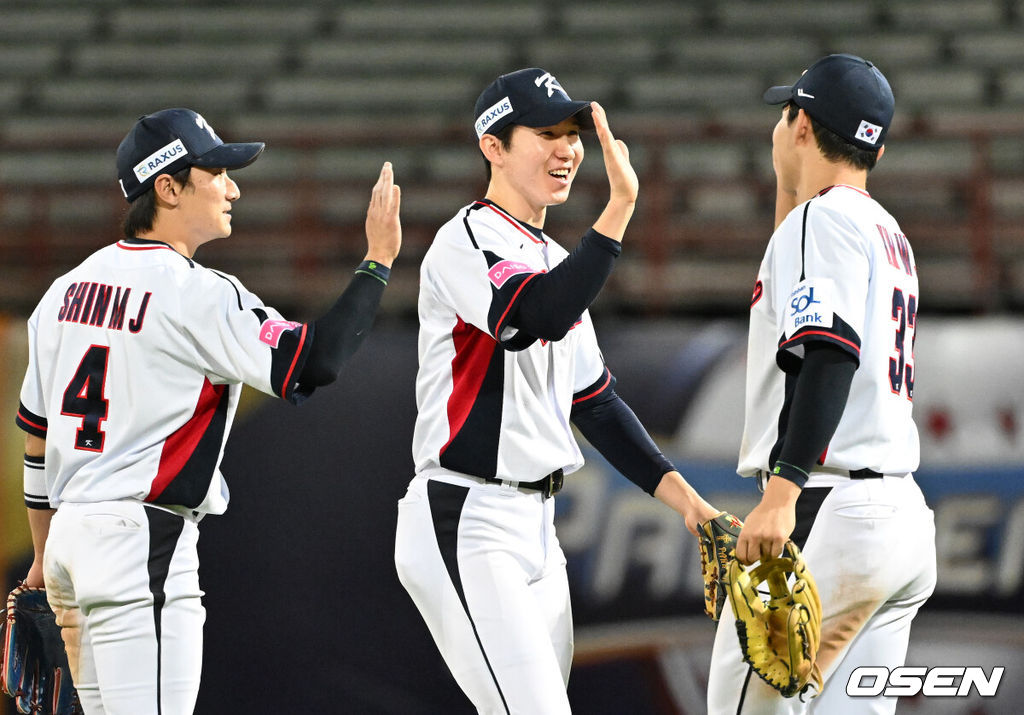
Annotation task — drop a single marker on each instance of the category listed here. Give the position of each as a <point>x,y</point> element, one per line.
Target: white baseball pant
<point>871,552</point>
<point>123,582</point>
<point>484,567</point>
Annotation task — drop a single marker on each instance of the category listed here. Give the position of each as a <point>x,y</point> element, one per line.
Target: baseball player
<point>508,360</point>
<point>828,431</point>
<point>136,361</point>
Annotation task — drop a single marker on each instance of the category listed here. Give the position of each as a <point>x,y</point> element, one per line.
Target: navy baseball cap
<point>846,94</point>
<point>169,140</point>
<point>531,97</point>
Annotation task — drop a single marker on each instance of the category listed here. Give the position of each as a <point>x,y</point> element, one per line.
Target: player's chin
<point>560,196</point>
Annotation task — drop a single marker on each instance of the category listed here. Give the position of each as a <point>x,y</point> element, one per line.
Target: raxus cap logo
<point>163,156</point>
<point>868,132</point>
<point>490,115</point>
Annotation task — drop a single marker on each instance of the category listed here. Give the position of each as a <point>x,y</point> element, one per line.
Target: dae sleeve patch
<point>810,304</point>
<point>500,272</point>
<point>270,330</point>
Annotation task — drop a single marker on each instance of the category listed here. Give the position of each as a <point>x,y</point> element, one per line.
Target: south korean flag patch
<point>868,132</point>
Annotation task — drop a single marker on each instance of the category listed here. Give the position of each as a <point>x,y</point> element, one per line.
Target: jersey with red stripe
<point>494,401</point>
<point>136,360</point>
<point>837,269</point>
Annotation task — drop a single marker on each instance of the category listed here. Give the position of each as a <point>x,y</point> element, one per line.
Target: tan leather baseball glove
<point>779,636</point>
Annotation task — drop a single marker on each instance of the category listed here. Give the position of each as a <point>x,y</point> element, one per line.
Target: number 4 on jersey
<point>84,398</point>
<point>901,371</point>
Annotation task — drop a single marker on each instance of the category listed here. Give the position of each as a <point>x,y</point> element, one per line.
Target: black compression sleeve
<point>552,303</point>
<point>614,431</point>
<point>822,387</point>
<point>340,331</point>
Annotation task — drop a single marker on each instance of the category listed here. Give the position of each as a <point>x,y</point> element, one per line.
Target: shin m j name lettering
<point>89,303</point>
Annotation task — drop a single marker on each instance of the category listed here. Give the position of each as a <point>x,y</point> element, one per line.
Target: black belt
<point>851,473</point>
<point>548,486</point>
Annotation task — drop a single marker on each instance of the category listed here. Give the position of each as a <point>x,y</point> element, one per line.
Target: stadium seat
<point>184,22</point>
<point>11,93</point>
<point>401,55</point>
<point>399,96</point>
<point>733,201</point>
<point>951,15</point>
<point>57,167</point>
<point>138,96</point>
<point>638,19</point>
<point>793,15</point>
<point>1011,84</point>
<point>714,160</point>
<point>998,49</point>
<point>932,89</point>
<point>617,58</point>
<point>453,163</point>
<point>435,20</point>
<point>220,59</point>
<point>891,50</point>
<point>361,164</point>
<point>1008,201</point>
<point>740,51</point>
<point>21,61</point>
<point>926,158</point>
<point>38,22</point>
<point>702,91</point>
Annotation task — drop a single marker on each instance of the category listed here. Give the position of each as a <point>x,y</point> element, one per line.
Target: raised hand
<point>383,227</point>
<point>623,184</point>
<point>622,178</point>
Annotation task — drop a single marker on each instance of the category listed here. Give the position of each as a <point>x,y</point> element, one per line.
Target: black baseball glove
<point>35,668</point>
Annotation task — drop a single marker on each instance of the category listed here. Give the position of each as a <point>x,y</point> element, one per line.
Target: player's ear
<point>166,189</point>
<point>491,148</point>
<point>803,130</point>
<point>881,150</point>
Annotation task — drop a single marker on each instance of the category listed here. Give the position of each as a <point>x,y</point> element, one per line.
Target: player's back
<point>116,372</point>
<point>838,269</point>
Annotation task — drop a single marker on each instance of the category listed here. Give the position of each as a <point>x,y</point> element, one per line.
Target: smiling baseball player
<point>136,361</point>
<point>508,359</point>
<point>828,429</point>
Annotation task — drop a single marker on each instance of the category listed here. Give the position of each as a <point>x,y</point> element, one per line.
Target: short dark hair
<point>504,135</point>
<point>142,211</point>
<point>833,146</point>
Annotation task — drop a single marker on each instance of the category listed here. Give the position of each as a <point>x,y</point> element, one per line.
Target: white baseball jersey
<point>494,402</point>
<point>838,269</point>
<point>136,359</point>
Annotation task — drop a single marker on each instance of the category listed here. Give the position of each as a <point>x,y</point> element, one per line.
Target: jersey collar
<point>842,186</point>
<point>146,244</point>
<point>535,234</point>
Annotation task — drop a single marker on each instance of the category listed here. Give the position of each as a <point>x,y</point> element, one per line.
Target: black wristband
<point>791,473</point>
<point>377,270</point>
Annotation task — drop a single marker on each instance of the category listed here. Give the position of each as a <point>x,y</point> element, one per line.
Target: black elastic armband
<point>378,271</point>
<point>551,304</point>
<point>790,473</point>
<point>339,332</point>
<point>613,429</point>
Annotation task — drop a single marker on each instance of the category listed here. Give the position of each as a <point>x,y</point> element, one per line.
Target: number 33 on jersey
<point>838,269</point>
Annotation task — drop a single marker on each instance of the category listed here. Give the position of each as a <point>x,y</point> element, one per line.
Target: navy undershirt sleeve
<point>822,388</point>
<point>615,431</point>
<point>551,303</point>
<point>341,330</point>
